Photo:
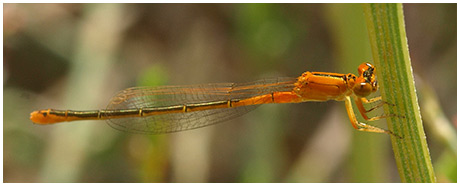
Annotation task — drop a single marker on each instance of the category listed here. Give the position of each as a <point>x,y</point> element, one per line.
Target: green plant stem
<point>387,34</point>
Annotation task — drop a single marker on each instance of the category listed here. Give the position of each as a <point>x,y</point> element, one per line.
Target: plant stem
<point>390,51</point>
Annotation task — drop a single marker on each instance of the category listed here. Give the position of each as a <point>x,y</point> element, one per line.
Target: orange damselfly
<point>164,109</point>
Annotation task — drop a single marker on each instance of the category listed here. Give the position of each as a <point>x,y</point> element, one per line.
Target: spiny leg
<point>359,103</point>
<point>362,126</point>
<point>365,100</point>
<point>375,99</point>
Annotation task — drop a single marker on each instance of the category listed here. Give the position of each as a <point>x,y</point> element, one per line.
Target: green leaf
<point>385,23</point>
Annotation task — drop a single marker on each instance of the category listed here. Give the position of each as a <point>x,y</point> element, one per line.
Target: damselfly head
<point>366,83</point>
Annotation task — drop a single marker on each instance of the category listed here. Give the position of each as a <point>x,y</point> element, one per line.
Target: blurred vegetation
<point>76,56</point>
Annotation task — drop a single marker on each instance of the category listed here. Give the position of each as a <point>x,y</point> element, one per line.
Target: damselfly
<point>164,109</point>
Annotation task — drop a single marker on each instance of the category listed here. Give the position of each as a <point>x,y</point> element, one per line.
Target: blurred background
<point>77,56</point>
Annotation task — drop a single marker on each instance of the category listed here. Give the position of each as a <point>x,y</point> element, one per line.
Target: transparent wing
<point>166,96</point>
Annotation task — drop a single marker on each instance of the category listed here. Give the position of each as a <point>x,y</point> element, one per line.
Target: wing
<point>167,96</point>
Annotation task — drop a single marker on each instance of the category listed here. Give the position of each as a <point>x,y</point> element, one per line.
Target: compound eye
<point>363,89</point>
<point>363,67</point>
